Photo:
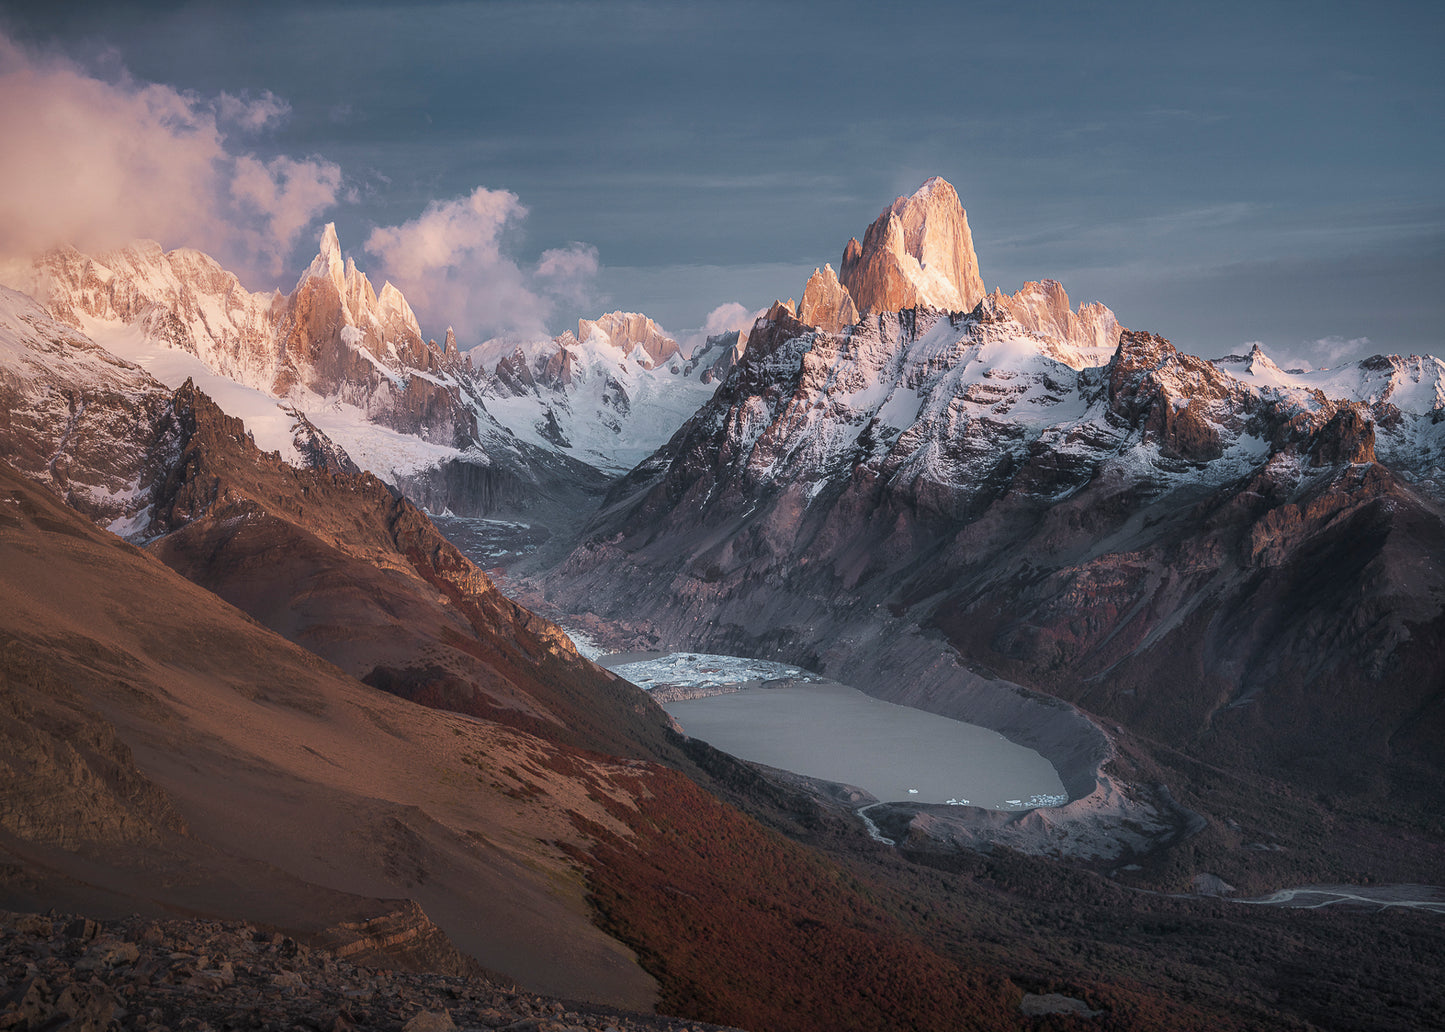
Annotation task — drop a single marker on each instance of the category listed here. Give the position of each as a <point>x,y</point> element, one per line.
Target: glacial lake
<point>826,730</point>
<point>801,722</point>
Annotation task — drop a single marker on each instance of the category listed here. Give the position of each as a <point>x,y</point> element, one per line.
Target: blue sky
<point>1220,174</point>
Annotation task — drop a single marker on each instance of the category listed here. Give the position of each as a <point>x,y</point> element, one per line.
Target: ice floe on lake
<point>700,670</point>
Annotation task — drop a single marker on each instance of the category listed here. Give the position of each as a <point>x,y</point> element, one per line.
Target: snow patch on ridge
<point>269,425</point>
<point>385,452</point>
<point>607,405</point>
<point>1414,384</point>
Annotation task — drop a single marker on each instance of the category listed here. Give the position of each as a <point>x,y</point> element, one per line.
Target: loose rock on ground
<point>207,976</point>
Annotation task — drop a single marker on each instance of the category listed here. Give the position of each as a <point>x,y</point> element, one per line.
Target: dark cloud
<point>1087,140</point>
<point>1323,309</point>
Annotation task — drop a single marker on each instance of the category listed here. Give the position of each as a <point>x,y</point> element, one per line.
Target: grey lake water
<point>826,730</point>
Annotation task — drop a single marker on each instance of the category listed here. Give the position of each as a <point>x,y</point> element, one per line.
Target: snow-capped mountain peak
<point>328,263</point>
<point>609,394</point>
<point>1412,384</point>
<point>353,362</point>
<point>628,332</point>
<point>826,302</point>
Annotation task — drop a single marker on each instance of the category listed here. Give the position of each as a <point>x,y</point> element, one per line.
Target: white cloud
<point>730,316</point>
<point>97,163</point>
<point>1324,353</point>
<point>568,262</point>
<point>448,234</point>
<point>451,264</point>
<point>1331,351</point>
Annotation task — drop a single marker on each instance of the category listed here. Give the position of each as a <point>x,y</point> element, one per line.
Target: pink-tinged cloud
<point>284,196</point>
<point>252,114</point>
<point>96,164</point>
<point>570,273</point>
<point>722,319</point>
<point>448,234</point>
<point>451,263</point>
<point>730,316</point>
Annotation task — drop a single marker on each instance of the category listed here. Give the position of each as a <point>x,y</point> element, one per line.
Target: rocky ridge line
<point>1076,508</point>
<point>334,336</point>
<point>608,394</point>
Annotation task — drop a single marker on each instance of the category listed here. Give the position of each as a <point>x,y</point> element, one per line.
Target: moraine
<point>792,719</point>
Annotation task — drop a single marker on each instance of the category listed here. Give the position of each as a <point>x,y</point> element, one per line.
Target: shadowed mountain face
<point>165,753</point>
<point>1249,572</point>
<point>347,569</point>
<point>272,782</point>
<point>333,560</point>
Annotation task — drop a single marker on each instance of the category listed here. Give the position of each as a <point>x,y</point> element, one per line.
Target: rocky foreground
<point>69,972</point>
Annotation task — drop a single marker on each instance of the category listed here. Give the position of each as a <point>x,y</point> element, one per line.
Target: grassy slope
<point>736,921</point>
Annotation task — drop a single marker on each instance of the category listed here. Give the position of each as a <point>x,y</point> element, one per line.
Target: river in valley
<point>789,718</point>
<point>1358,897</point>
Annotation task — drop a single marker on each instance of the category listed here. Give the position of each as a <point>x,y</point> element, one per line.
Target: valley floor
<point>1119,935</point>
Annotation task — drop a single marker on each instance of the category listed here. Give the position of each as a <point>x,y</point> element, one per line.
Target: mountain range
<point>246,676</point>
<point>1202,552</point>
<point>609,394</point>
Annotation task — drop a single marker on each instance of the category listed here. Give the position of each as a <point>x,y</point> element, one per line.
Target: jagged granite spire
<point>919,251</point>
<point>826,303</point>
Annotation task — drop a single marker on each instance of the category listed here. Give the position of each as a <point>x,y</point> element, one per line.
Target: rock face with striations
<point>917,252</point>
<point>628,330</point>
<point>826,302</point>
